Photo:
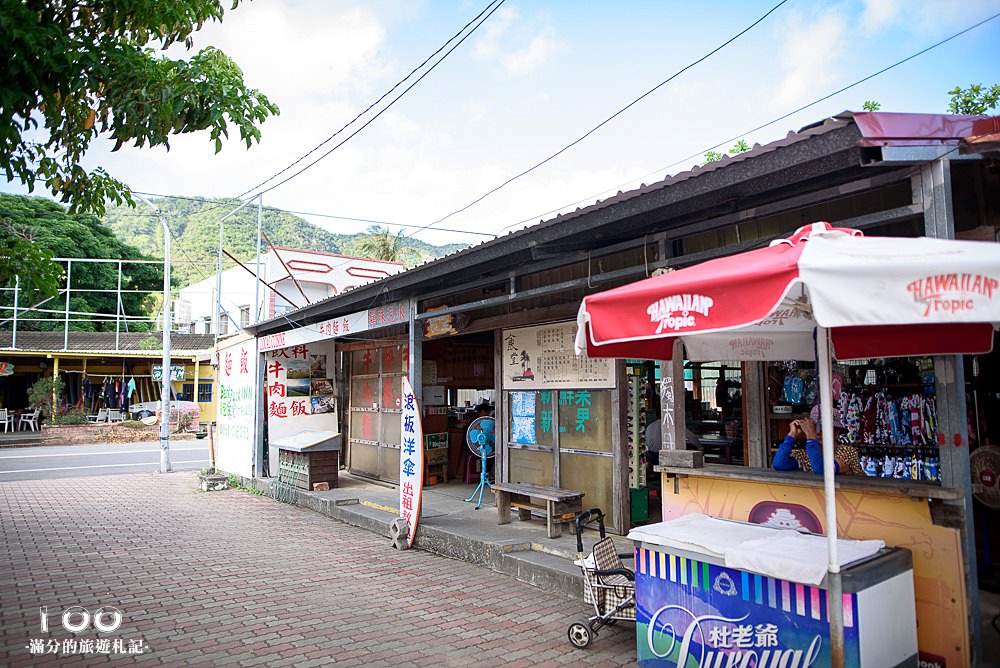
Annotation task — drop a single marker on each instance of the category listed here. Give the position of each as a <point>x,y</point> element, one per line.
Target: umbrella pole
<point>834,590</point>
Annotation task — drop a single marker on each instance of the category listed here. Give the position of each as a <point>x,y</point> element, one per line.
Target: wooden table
<point>561,505</point>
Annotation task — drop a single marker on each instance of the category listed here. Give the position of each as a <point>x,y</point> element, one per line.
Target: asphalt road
<point>53,462</point>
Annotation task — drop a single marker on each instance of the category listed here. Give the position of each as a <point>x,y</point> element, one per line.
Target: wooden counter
<point>886,486</point>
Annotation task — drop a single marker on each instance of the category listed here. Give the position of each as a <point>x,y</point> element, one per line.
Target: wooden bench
<point>561,505</point>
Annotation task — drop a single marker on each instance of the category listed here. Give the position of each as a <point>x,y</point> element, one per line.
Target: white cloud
<point>877,14</point>
<point>809,57</point>
<point>517,46</point>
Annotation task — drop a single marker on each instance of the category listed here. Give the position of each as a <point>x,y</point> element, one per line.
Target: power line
<point>607,120</point>
<point>311,213</point>
<point>491,8</point>
<point>702,152</point>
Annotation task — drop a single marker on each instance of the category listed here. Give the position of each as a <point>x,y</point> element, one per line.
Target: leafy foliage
<point>739,147</point>
<point>74,71</point>
<point>55,233</point>
<point>871,105</point>
<point>380,244</point>
<point>195,228</point>
<point>974,100</point>
<point>41,391</point>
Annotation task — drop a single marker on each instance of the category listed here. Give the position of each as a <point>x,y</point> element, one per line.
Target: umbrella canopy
<point>878,296</point>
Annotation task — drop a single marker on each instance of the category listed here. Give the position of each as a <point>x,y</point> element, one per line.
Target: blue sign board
<point>694,614</point>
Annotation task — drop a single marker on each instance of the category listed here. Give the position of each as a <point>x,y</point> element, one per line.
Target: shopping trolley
<point>607,584</point>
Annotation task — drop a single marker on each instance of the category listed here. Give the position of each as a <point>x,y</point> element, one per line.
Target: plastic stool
<point>472,470</point>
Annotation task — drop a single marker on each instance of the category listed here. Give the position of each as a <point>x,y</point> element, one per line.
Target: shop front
<point>871,307</point>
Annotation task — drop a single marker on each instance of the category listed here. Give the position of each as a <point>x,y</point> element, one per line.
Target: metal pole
<point>165,391</point>
<point>69,275</point>
<point>118,309</point>
<point>834,585</point>
<point>256,285</point>
<point>165,368</point>
<point>17,289</point>
<point>217,317</point>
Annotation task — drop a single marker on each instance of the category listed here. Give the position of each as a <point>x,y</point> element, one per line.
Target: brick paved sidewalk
<point>229,578</point>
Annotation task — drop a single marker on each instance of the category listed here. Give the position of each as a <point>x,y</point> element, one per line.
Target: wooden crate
<point>303,469</point>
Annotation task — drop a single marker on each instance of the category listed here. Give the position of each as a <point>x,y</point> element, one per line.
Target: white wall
<point>293,404</point>
<point>321,275</point>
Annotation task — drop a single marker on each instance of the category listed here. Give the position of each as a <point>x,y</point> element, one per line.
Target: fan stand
<point>484,479</point>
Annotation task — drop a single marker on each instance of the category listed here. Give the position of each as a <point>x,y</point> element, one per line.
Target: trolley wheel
<point>580,634</point>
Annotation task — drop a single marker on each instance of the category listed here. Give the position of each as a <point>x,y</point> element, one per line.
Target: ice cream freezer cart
<point>703,602</point>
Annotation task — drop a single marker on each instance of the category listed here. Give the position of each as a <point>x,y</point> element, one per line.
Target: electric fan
<point>480,439</point>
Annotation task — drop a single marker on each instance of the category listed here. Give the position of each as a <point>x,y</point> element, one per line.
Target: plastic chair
<point>115,416</point>
<point>6,420</point>
<point>472,469</point>
<point>102,416</point>
<point>30,420</point>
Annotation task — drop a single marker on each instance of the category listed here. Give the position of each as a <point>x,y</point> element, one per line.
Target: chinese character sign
<point>237,405</point>
<point>537,358</point>
<point>411,461</point>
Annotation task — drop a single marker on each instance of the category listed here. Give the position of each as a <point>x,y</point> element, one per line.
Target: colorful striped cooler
<point>694,612</point>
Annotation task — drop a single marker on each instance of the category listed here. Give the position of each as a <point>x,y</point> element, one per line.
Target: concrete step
<point>544,570</point>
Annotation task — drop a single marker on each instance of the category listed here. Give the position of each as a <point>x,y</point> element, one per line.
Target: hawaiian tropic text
<point>951,292</point>
<point>676,312</point>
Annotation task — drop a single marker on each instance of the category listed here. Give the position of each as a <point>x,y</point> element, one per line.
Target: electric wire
<point>376,116</point>
<point>702,152</point>
<point>384,95</point>
<point>607,120</point>
<point>302,213</point>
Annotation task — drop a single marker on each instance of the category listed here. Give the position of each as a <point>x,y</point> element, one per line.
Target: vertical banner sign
<point>237,406</point>
<point>411,462</point>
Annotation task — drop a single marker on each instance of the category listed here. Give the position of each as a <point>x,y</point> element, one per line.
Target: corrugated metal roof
<point>875,129</point>
<point>98,342</point>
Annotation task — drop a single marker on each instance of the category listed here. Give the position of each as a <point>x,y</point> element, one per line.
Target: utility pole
<point>165,389</point>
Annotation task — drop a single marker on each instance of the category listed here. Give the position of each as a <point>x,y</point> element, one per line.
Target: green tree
<point>973,100</point>
<point>75,70</point>
<point>378,243</point>
<point>871,105</point>
<point>55,233</point>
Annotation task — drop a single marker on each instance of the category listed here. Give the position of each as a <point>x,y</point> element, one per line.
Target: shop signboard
<point>6,368</point>
<point>693,613</point>
<point>436,446</point>
<point>237,377</point>
<point>542,358</point>
<point>176,372</point>
<point>411,461</point>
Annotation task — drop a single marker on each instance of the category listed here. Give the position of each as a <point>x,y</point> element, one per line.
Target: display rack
<point>887,406</point>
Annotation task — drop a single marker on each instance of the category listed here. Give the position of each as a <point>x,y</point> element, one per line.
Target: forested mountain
<point>195,228</point>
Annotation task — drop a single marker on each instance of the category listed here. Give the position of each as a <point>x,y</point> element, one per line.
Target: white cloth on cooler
<point>700,533</point>
<point>795,556</point>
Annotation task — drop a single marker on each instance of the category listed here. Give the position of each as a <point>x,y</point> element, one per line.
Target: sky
<point>534,78</point>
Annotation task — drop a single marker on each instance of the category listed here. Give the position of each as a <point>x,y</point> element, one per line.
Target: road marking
<point>105,466</point>
<point>87,454</point>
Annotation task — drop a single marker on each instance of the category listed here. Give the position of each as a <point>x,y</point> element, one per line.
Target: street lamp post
<point>165,368</point>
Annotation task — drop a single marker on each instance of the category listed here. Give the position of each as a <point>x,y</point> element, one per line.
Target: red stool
<point>472,471</point>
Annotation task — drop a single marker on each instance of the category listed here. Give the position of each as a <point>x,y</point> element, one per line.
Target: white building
<point>319,275</point>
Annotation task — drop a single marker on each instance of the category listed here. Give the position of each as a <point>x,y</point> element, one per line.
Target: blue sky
<point>535,77</point>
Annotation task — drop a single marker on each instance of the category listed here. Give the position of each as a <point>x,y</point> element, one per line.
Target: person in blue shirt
<point>804,433</point>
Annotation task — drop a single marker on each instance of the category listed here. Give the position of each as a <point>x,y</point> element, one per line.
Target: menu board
<point>543,358</point>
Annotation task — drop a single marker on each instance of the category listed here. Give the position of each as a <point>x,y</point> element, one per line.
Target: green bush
<point>40,393</point>
<point>70,417</point>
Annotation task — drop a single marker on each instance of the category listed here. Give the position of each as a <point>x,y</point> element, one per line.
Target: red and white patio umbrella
<point>868,296</point>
